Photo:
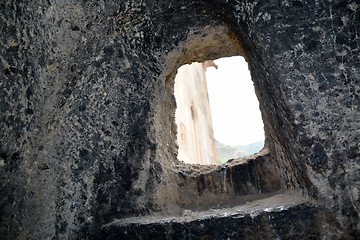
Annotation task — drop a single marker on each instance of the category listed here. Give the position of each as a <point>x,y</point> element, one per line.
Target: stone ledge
<point>278,216</point>
<point>234,183</point>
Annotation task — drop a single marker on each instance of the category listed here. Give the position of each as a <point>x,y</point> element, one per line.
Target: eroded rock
<point>87,113</point>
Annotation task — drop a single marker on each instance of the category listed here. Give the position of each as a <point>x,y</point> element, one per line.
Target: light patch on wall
<point>193,116</point>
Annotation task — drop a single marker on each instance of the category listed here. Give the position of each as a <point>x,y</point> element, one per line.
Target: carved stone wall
<point>87,130</point>
<point>193,119</point>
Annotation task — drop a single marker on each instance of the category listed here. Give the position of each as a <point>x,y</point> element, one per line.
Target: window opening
<point>217,115</point>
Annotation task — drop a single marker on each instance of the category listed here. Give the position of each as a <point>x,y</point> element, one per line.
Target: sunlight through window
<point>217,115</point>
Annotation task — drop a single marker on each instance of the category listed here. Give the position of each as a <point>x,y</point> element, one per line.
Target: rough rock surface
<point>87,131</point>
<point>279,217</point>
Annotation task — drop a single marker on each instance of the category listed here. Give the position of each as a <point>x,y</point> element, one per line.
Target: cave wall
<point>87,106</point>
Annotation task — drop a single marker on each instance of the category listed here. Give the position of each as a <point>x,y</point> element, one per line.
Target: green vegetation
<point>226,152</point>
<point>251,148</point>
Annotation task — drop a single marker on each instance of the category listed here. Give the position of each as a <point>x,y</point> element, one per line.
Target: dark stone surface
<point>300,222</point>
<point>87,130</point>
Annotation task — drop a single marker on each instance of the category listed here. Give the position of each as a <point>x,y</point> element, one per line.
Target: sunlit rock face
<point>88,136</point>
<point>195,135</point>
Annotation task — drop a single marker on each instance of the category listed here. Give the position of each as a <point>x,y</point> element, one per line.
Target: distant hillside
<point>251,148</point>
<point>226,152</point>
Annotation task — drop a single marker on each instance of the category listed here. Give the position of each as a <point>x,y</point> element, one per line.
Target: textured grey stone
<point>87,131</point>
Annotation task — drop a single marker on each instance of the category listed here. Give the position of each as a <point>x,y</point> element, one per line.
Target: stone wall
<point>193,119</point>
<point>87,110</point>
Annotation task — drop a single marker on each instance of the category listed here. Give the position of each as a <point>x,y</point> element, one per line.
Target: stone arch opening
<point>197,187</point>
<point>163,184</point>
